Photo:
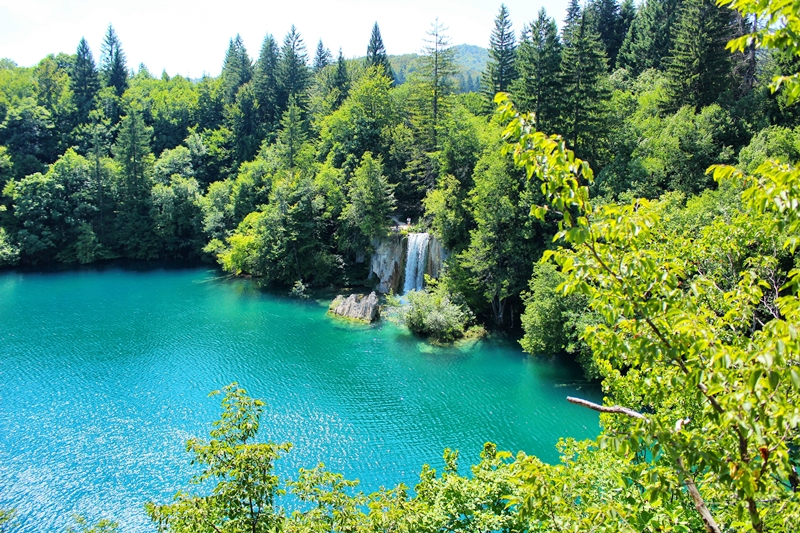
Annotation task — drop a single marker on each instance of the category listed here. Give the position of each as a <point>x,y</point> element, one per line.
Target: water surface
<point>104,374</point>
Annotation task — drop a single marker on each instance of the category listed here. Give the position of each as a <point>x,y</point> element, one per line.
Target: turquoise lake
<point>105,373</point>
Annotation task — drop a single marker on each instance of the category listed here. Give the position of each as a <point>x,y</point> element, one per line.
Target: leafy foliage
<point>781,25</point>
<point>436,313</point>
<point>246,487</point>
<point>553,322</point>
<point>670,324</point>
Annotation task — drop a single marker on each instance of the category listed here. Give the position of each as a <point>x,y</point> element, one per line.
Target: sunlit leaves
<point>707,352</point>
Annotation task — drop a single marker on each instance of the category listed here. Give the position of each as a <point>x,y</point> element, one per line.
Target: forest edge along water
<point>105,374</point>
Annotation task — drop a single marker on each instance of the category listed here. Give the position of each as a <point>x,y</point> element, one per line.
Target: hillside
<point>471,61</point>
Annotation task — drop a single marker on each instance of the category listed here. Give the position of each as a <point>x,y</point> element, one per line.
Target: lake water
<point>104,374</point>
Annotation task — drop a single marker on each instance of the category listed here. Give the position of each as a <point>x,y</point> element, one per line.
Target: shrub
<point>437,313</point>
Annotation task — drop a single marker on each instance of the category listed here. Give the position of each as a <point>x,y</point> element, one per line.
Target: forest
<point>288,167</point>
<point>675,285</point>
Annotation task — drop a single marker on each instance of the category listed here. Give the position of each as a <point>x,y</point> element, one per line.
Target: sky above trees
<point>190,37</point>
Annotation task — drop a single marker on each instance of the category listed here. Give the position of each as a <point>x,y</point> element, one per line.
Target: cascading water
<point>416,259</point>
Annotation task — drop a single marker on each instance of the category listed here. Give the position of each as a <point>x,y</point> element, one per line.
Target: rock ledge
<point>357,307</point>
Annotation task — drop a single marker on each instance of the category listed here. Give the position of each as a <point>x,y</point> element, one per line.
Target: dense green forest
<point>677,287</point>
<point>287,167</point>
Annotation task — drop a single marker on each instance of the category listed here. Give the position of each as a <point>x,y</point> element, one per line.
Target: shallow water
<point>104,374</point>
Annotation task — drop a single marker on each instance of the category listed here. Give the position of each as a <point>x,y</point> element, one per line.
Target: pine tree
<point>572,19</point>
<point>537,89</point>
<point>376,53</point>
<point>236,70</point>
<point>322,58</point>
<point>745,64</point>
<point>606,17</point>
<point>293,76</point>
<point>210,107</point>
<point>370,202</point>
<point>265,83</point>
<point>112,63</point>
<point>436,69</point>
<point>501,69</point>
<point>469,84</point>
<point>243,119</point>
<point>341,81</point>
<point>84,81</point>
<point>699,68</point>
<point>132,152</point>
<point>650,36</point>
<point>292,134</point>
<point>583,66</point>
<point>627,12</point>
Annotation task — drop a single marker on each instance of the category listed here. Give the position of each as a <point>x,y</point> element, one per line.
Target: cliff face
<point>436,256</point>
<point>387,263</point>
<point>356,306</point>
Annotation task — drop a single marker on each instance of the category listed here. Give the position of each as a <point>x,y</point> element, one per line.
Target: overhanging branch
<point>615,409</point>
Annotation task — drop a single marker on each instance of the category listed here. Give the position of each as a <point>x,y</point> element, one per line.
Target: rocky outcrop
<point>436,256</point>
<point>357,307</point>
<point>387,263</point>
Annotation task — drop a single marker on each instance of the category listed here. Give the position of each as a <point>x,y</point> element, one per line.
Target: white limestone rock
<point>357,307</point>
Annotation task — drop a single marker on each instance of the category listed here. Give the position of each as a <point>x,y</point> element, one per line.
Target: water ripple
<point>105,375</point>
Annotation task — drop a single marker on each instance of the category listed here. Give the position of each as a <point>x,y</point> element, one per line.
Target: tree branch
<point>617,409</point>
<point>697,498</point>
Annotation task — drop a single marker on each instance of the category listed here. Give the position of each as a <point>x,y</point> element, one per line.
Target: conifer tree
<point>292,134</point>
<point>265,83</point>
<point>376,53</point>
<point>370,202</point>
<point>210,107</point>
<point>436,69</point>
<point>236,70</point>
<point>84,81</point>
<point>650,36</point>
<point>132,149</point>
<point>322,58</point>
<point>537,88</point>
<point>627,12</point>
<point>570,21</point>
<point>341,81</point>
<point>606,17</point>
<point>583,66</point>
<point>244,122</point>
<point>112,63</point>
<point>699,67</point>
<point>501,69</point>
<point>469,83</point>
<point>132,152</point>
<point>294,76</point>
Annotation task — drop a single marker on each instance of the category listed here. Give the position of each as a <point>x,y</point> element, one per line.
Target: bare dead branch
<point>617,409</point>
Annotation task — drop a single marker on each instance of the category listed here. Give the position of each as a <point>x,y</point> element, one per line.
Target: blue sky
<point>190,37</point>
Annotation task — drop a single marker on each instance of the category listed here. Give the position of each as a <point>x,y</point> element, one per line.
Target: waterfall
<point>416,261</point>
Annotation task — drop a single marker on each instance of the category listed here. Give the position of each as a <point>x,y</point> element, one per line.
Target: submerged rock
<point>357,307</point>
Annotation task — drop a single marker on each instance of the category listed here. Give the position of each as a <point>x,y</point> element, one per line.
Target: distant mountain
<point>470,59</point>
